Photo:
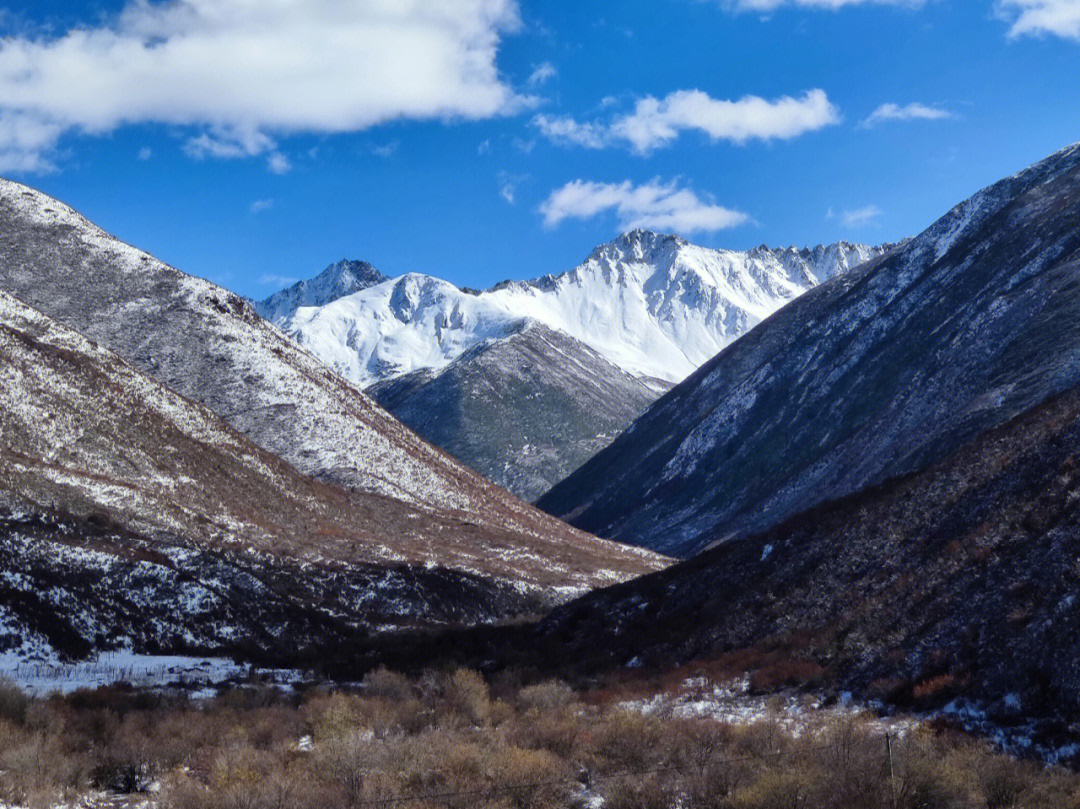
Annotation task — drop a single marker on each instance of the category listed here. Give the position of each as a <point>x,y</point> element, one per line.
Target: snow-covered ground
<point>199,675</point>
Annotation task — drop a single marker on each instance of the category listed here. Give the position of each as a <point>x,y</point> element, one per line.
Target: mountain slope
<point>102,467</point>
<point>959,580</point>
<point>884,370</point>
<point>525,410</point>
<point>210,346</point>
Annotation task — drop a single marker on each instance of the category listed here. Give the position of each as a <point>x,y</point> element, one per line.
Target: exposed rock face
<point>881,371</point>
<point>336,281</point>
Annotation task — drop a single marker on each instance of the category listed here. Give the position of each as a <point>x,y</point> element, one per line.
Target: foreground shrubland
<point>454,740</point>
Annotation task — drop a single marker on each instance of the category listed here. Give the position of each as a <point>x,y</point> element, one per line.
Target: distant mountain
<point>210,346</point>
<point>336,281</point>
<point>645,309</point>
<point>131,516</point>
<point>525,410</point>
<point>882,371</point>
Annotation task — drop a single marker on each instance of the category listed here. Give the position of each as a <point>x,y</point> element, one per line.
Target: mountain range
<point>524,406</point>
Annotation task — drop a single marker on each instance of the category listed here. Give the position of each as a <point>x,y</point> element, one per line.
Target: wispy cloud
<point>145,153</point>
<point>385,149</point>
<point>909,112</point>
<point>657,122</point>
<point>260,205</point>
<point>655,205</point>
<point>508,185</point>
<point>860,217</point>
<point>249,73</point>
<point>279,281</point>
<point>1041,17</point>
<point>542,74</point>
<point>278,163</point>
<point>833,5</point>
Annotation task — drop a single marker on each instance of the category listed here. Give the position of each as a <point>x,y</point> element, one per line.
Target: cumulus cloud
<point>246,72</point>
<point>657,122</point>
<point>655,205</point>
<point>1041,17</point>
<point>909,112</point>
<point>861,216</point>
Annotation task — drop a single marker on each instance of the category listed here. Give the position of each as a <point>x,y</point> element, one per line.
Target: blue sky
<point>255,142</point>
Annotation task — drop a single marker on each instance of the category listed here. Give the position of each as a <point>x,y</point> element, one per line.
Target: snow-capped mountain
<point>637,316</point>
<point>654,305</point>
<point>887,368</point>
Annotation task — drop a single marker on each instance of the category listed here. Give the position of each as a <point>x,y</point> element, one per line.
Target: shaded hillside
<point>958,580</point>
<point>92,447</point>
<point>880,371</point>
<point>525,411</point>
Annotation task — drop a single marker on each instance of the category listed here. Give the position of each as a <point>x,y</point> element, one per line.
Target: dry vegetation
<point>467,743</point>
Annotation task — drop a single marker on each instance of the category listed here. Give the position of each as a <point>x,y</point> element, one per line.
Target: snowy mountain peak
<point>336,281</point>
<point>652,304</point>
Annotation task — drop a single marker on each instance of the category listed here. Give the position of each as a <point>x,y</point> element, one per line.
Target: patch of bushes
<point>453,740</point>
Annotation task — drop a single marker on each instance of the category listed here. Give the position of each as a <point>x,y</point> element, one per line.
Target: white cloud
<point>25,141</point>
<point>145,153</point>
<point>484,147</point>
<point>654,205</point>
<point>278,163</point>
<point>248,71</point>
<point>566,131</point>
<point>833,5</point>
<point>656,122</point>
<point>1040,17</point>
<point>543,73</point>
<point>508,184</point>
<point>861,216</point>
<point>910,112</point>
<point>258,206</point>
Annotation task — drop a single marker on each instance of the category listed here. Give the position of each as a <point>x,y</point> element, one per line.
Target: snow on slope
<point>656,306</point>
<point>208,345</point>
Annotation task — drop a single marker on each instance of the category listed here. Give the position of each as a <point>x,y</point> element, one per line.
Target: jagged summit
<point>336,281</point>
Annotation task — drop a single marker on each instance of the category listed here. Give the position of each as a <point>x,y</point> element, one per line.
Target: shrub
<point>13,702</point>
